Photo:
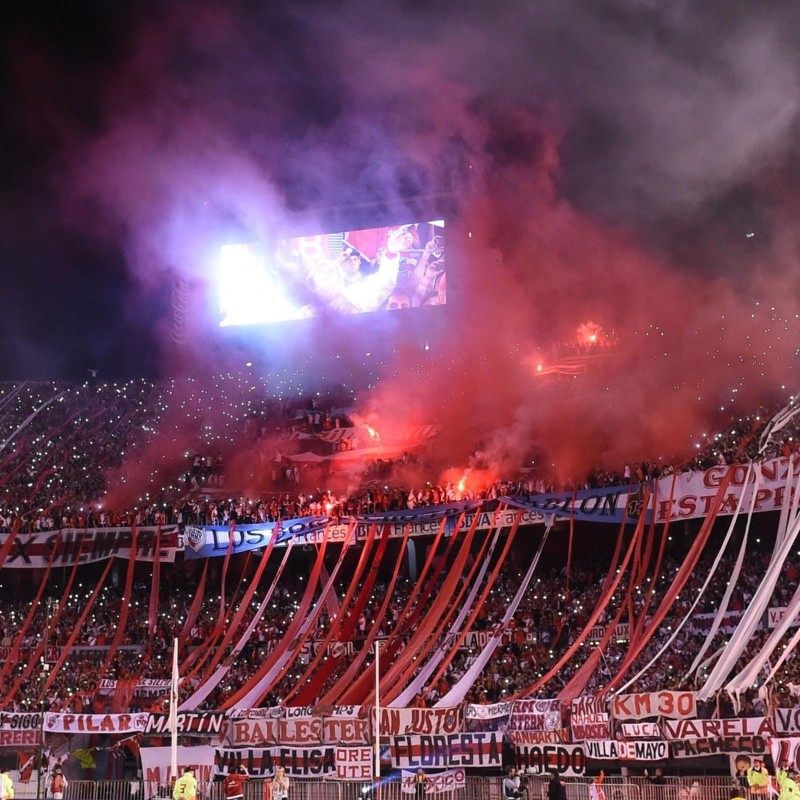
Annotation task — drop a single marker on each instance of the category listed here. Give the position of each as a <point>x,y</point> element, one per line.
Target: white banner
<point>156,766</point>
<point>589,718</point>
<point>718,745</point>
<point>641,730</point>
<point>299,762</point>
<point>674,705</point>
<point>87,545</point>
<point>613,750</point>
<point>786,721</point>
<point>95,723</point>
<point>489,711</point>
<point>467,750</point>
<point>397,721</point>
<point>536,715</point>
<point>566,759</point>
<point>776,614</point>
<point>694,492</point>
<point>354,763</point>
<point>786,752</point>
<point>435,782</point>
<point>701,623</point>
<point>621,632</point>
<point>305,731</point>
<point>709,728</point>
<point>295,712</point>
<point>189,723</point>
<point>146,687</point>
<point>14,721</point>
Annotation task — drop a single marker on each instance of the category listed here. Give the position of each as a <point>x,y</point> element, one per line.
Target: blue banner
<point>204,541</point>
<point>609,504</point>
<point>414,516</point>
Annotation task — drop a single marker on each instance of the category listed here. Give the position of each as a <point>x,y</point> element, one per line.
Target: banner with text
<point>18,721</point>
<point>701,623</point>
<point>87,546</point>
<point>326,761</point>
<point>487,717</point>
<point>209,540</point>
<point>304,731</point>
<point>146,687</point>
<point>688,495</point>
<point>640,730</point>
<point>674,705</point>
<point>786,721</point>
<point>396,721</point>
<point>786,752</point>
<point>465,750</point>
<point>435,782</point>
<point>156,767</point>
<point>19,738</point>
<point>95,723</point>
<point>589,719</point>
<point>710,728</point>
<point>613,750</point>
<point>718,745</point>
<point>536,715</point>
<point>776,614</point>
<point>539,737</point>
<point>189,723</point>
<point>566,759</point>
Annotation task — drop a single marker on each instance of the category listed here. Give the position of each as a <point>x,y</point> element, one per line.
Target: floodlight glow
<point>248,293</point>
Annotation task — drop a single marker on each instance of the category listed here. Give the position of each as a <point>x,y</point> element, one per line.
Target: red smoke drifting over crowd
<point>592,183</point>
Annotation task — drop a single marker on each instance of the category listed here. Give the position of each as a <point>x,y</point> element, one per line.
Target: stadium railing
<point>476,788</point>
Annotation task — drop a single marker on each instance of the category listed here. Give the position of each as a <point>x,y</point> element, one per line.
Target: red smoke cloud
<point>225,137</point>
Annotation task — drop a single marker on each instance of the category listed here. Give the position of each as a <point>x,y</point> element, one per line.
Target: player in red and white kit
<point>234,784</point>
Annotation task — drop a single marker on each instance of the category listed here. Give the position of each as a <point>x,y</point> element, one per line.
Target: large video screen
<point>353,272</point>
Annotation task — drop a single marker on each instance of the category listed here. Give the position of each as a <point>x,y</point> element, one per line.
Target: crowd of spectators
<point>69,452</point>
<point>63,446</point>
<point>548,620</point>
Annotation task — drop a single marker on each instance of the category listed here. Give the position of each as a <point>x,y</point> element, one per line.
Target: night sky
<point>634,163</point>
